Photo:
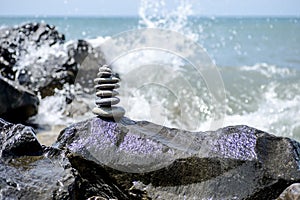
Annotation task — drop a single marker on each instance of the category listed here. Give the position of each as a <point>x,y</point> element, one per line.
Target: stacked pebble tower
<point>106,82</point>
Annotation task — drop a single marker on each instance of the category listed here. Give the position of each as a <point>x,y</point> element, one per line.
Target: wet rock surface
<point>19,41</point>
<point>18,140</point>
<point>102,159</point>
<point>31,171</point>
<point>16,102</point>
<point>79,50</point>
<point>36,60</point>
<point>37,57</point>
<point>236,162</point>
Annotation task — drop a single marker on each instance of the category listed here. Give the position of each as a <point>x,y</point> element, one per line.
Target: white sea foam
<point>155,14</point>
<point>274,115</point>
<point>96,42</point>
<point>54,110</point>
<point>269,70</point>
<point>270,92</point>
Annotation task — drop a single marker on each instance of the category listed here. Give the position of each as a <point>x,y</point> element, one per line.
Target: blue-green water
<point>258,58</point>
<point>229,41</point>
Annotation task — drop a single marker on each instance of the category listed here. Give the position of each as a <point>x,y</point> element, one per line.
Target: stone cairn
<point>106,82</point>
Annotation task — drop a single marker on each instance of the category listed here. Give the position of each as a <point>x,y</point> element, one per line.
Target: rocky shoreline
<point>35,61</point>
<point>102,159</point>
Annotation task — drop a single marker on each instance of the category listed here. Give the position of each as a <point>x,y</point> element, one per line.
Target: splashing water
<point>156,14</point>
<point>261,72</point>
<point>157,102</point>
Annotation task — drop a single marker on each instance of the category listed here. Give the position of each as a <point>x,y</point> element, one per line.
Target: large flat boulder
<point>100,159</point>
<point>237,162</point>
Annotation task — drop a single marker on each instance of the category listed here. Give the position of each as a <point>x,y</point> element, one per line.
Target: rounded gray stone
<point>104,74</point>
<point>107,86</point>
<point>107,101</point>
<point>114,112</point>
<point>106,80</point>
<point>106,93</point>
<point>105,69</point>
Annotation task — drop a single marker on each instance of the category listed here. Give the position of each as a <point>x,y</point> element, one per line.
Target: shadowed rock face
<point>236,162</point>
<point>18,140</point>
<point>290,193</point>
<point>16,102</point>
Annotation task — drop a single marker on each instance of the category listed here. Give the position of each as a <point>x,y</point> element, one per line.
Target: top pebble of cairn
<point>106,82</point>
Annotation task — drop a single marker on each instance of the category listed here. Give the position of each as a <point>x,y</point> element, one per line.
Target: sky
<point>131,7</point>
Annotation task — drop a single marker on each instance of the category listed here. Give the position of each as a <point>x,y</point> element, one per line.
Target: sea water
<point>258,59</point>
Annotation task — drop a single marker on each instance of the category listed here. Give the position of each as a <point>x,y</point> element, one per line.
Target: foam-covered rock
<point>36,56</point>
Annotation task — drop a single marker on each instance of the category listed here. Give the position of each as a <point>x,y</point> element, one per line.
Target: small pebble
<point>104,74</point>
<point>106,80</point>
<point>105,69</point>
<point>109,112</point>
<point>107,101</point>
<point>106,93</point>
<point>107,86</point>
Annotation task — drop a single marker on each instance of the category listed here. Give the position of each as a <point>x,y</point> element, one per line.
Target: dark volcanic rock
<point>237,162</point>
<point>20,38</point>
<point>7,59</point>
<point>44,72</point>
<point>16,102</point>
<point>17,41</point>
<point>34,55</point>
<point>79,50</point>
<point>38,177</point>
<point>90,59</point>
<point>30,171</point>
<point>18,140</point>
<point>96,180</point>
<point>37,57</point>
